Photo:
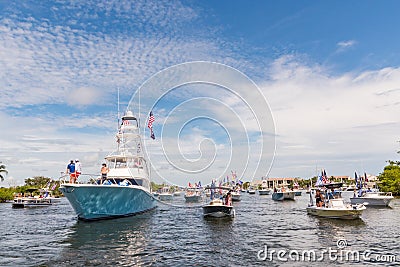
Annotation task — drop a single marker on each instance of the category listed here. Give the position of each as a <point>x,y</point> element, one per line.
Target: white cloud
<point>343,45</point>
<point>320,117</point>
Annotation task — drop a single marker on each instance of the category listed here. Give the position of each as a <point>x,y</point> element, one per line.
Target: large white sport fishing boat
<point>126,191</point>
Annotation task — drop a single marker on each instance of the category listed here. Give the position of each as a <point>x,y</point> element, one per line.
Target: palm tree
<point>2,169</point>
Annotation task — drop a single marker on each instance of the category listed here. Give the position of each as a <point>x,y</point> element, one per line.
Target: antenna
<point>118,106</point>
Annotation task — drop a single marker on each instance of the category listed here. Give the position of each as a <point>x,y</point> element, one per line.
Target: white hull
<point>236,197</point>
<point>288,195</point>
<point>30,202</point>
<point>347,214</point>
<point>381,201</point>
<point>165,197</point>
<point>193,198</point>
<point>264,192</point>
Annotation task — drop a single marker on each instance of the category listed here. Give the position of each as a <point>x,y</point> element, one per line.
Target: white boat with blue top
<point>126,191</point>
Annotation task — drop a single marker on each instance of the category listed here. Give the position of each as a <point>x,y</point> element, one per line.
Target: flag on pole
<point>150,125</point>
<point>356,180</point>
<point>324,177</point>
<point>319,181</point>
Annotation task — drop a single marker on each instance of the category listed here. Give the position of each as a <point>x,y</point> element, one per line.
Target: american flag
<point>324,177</point>
<point>151,120</point>
<point>150,125</point>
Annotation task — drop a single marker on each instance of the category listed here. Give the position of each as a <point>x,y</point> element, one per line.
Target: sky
<point>271,89</point>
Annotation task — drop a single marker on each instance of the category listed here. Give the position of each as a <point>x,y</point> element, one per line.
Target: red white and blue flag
<point>324,177</point>
<point>150,125</point>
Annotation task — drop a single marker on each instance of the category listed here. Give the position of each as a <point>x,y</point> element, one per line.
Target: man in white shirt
<point>78,168</point>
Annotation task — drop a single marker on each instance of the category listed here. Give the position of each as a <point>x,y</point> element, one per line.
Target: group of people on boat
<point>319,197</point>
<point>74,169</point>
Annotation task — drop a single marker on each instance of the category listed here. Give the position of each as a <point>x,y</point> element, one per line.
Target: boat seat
<point>336,204</point>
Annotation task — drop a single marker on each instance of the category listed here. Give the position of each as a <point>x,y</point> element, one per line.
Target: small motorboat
<point>282,194</point>
<point>373,199</point>
<point>264,191</point>
<point>217,208</point>
<point>31,202</point>
<point>251,191</point>
<point>334,207</point>
<point>236,196</point>
<point>193,195</point>
<point>165,194</point>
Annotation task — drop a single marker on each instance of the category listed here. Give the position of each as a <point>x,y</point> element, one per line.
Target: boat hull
<point>288,195</point>
<point>236,197</point>
<point>95,202</point>
<point>218,211</point>
<point>165,197</point>
<point>264,192</point>
<point>297,193</point>
<point>31,202</point>
<point>346,214</point>
<point>379,202</point>
<point>193,198</point>
<point>278,196</point>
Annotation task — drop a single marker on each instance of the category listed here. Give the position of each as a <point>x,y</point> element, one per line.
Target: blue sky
<point>329,71</point>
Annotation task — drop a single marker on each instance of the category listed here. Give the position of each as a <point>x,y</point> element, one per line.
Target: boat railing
<point>385,194</point>
<point>96,179</point>
<point>82,179</point>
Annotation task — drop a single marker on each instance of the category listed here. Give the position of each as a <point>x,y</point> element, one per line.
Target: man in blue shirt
<point>71,171</point>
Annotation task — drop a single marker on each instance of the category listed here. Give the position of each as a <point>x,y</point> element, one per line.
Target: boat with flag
<point>218,207</point>
<point>367,196</point>
<point>327,202</point>
<point>193,193</point>
<point>126,189</point>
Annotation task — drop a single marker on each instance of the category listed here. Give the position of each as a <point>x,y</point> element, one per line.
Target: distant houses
<point>276,182</point>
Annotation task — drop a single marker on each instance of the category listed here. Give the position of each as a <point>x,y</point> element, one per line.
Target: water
<point>180,236</point>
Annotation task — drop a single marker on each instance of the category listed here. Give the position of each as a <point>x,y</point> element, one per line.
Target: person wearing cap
<point>78,169</point>
<point>71,171</point>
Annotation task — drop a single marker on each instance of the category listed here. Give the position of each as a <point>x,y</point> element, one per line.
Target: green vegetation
<point>389,180</point>
<point>30,183</point>
<point>2,170</point>
<point>155,187</point>
<point>304,183</point>
<point>6,194</point>
<point>246,185</point>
